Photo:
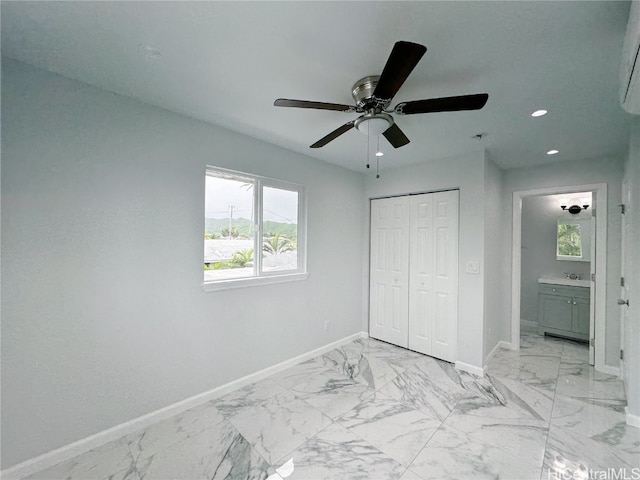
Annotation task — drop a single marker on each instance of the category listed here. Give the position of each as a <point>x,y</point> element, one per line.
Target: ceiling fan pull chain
<point>378,158</point>
<point>368,166</point>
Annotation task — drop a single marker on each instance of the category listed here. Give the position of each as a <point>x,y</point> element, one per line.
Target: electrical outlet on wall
<point>326,324</point>
<point>473,266</point>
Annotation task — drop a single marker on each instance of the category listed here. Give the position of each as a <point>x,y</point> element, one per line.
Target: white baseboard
<point>609,369</point>
<point>498,346</point>
<point>632,420</point>
<point>62,454</point>
<point>467,367</point>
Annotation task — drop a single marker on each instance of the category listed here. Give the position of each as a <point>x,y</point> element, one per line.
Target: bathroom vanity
<point>563,307</point>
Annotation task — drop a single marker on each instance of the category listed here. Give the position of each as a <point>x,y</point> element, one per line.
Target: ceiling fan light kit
<point>373,123</point>
<point>373,94</point>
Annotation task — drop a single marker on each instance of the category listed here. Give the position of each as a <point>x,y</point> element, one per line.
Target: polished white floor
<point>372,411</point>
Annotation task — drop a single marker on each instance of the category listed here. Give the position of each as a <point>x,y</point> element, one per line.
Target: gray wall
<point>632,275</point>
<point>609,171</point>
<point>467,174</point>
<point>539,232</point>
<point>103,314</point>
<point>494,291</point>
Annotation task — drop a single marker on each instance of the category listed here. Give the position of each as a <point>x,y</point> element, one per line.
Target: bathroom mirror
<point>573,241</point>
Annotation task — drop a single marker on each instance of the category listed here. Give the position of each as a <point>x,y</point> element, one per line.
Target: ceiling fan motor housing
<point>362,93</point>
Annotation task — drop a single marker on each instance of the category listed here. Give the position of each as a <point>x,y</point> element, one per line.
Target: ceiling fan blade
<point>446,104</point>
<point>395,136</point>
<point>402,60</point>
<point>333,135</point>
<point>285,102</point>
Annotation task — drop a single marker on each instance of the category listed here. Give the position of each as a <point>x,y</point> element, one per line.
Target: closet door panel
<point>445,319</point>
<point>433,274</point>
<point>421,273</point>
<point>389,279</point>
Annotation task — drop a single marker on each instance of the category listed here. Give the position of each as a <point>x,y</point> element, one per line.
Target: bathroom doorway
<point>556,267</point>
<point>522,300</point>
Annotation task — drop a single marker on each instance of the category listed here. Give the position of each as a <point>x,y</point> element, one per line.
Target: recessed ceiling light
<point>552,152</point>
<point>150,52</point>
<point>539,113</point>
<point>379,154</point>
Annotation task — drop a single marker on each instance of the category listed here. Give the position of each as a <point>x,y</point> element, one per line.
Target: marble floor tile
<point>332,396</point>
<point>430,385</point>
<point>335,453</point>
<point>409,475</point>
<point>329,390</point>
<point>375,344</point>
<point>573,454</point>
<point>247,397</point>
<point>540,371</point>
<point>583,381</point>
<point>574,356</point>
<point>321,365</point>
<point>539,345</point>
<point>395,428</point>
<point>600,421</point>
<point>279,425</point>
<point>513,403</point>
<point>173,430</point>
<point>126,474</point>
<point>452,454</point>
<point>110,460</point>
<point>516,425</point>
<point>373,364</point>
<point>370,410</point>
<point>217,453</point>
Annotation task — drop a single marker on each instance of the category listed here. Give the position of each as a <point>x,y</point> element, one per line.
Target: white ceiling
<point>226,62</point>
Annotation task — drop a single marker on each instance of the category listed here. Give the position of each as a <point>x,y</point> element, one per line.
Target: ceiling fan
<point>373,94</point>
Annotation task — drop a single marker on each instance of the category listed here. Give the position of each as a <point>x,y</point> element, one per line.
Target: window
<point>253,230</point>
<point>569,241</point>
<point>574,238</point>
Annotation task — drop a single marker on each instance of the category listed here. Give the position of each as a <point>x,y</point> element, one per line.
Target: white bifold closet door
<point>389,280</point>
<point>414,272</point>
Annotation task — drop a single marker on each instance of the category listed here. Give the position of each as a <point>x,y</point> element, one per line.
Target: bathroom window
<point>254,230</point>
<point>569,240</point>
<point>574,238</point>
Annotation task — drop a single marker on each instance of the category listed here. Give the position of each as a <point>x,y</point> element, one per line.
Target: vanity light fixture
<point>574,209</point>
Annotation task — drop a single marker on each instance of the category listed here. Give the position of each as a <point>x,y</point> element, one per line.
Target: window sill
<point>569,258</point>
<point>252,282</point>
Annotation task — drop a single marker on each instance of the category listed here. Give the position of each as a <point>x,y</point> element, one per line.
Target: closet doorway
<point>414,272</point>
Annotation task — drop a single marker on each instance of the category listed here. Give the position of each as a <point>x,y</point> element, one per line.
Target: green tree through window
<point>569,241</point>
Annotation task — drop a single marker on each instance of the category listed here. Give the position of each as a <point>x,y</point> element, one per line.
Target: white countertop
<point>565,281</point>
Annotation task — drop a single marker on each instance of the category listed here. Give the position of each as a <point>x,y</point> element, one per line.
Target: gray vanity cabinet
<point>563,310</point>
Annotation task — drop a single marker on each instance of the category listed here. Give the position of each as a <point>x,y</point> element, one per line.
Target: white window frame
<point>572,258</point>
<point>259,277</point>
